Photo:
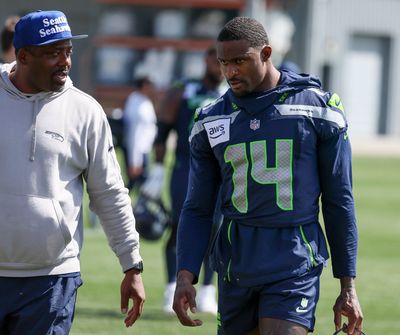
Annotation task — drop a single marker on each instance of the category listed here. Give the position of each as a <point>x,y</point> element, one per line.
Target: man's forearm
<point>185,276</point>
<point>347,283</point>
<point>160,150</point>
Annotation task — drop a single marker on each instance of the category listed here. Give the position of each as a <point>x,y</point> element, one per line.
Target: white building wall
<point>330,30</point>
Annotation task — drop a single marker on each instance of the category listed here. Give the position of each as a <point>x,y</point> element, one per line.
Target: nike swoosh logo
<point>300,310</point>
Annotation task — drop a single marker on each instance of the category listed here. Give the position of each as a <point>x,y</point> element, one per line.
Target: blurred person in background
<point>7,35</point>
<point>134,130</point>
<point>281,29</point>
<point>53,138</point>
<point>139,130</point>
<point>177,113</point>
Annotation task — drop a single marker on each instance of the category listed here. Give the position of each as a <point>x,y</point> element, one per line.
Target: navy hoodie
<point>275,154</point>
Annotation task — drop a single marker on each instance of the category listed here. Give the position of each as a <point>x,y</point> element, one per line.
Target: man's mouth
<point>61,76</point>
<point>235,83</point>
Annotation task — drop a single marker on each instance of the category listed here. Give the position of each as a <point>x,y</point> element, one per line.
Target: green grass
<point>377,194</point>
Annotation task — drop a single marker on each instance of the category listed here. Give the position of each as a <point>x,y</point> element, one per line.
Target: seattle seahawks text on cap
<point>42,27</point>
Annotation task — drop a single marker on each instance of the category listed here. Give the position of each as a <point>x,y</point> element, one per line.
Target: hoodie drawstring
<point>33,128</point>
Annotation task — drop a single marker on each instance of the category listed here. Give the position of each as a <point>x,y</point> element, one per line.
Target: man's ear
<point>22,55</point>
<point>266,53</point>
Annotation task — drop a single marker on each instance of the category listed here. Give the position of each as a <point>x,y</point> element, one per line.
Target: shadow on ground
<point>148,314</point>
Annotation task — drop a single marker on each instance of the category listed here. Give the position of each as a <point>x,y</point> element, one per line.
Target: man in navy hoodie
<point>276,144</point>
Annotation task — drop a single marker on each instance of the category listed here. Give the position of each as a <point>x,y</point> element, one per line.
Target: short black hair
<point>244,28</point>
<point>141,81</point>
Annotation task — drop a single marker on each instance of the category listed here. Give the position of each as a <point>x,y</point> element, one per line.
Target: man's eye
<point>239,61</point>
<point>223,62</point>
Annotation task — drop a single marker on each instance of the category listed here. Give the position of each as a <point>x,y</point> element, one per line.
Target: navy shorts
<point>293,299</point>
<point>38,305</point>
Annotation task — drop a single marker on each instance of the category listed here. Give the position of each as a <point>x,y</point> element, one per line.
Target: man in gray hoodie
<point>53,137</point>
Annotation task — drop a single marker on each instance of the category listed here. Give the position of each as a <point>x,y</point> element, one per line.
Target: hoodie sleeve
<point>335,169</point>
<point>109,199</point>
<point>196,219</point>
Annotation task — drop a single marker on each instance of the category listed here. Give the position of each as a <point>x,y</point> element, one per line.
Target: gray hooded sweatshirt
<point>50,143</point>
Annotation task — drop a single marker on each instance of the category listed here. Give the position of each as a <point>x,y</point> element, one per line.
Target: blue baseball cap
<point>41,28</point>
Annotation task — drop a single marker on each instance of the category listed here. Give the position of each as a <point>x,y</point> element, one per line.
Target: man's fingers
<point>359,326</point>
<point>124,303</point>
<point>351,326</point>
<point>133,315</point>
<point>337,320</point>
<point>132,288</point>
<point>182,306</point>
<point>192,303</point>
<point>135,312</point>
<point>186,320</point>
<point>185,299</point>
<point>355,325</point>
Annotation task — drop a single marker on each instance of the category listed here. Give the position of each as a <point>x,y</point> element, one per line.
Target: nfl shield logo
<point>254,124</point>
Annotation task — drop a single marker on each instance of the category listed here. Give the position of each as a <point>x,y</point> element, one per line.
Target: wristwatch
<point>137,266</point>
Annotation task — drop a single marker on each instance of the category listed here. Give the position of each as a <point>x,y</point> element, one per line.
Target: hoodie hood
<point>256,102</point>
<point>37,100</point>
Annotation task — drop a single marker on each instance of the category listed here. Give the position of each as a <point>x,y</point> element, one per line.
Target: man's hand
<point>153,185</point>
<point>185,298</point>
<point>347,304</point>
<point>132,288</point>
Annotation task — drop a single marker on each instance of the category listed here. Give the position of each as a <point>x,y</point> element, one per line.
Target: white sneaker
<point>169,298</point>
<point>206,299</point>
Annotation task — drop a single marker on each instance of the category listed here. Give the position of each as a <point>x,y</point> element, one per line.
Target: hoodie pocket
<point>33,232</point>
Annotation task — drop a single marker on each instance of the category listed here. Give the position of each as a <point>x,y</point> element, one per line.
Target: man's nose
<point>231,71</point>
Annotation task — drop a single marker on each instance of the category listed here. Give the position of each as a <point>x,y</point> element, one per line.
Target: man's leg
<point>206,298</point>
<point>270,326</point>
<point>237,309</point>
<point>48,308</point>
<point>178,188</point>
<point>170,263</point>
<point>254,332</point>
<point>206,295</point>
<point>288,307</point>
